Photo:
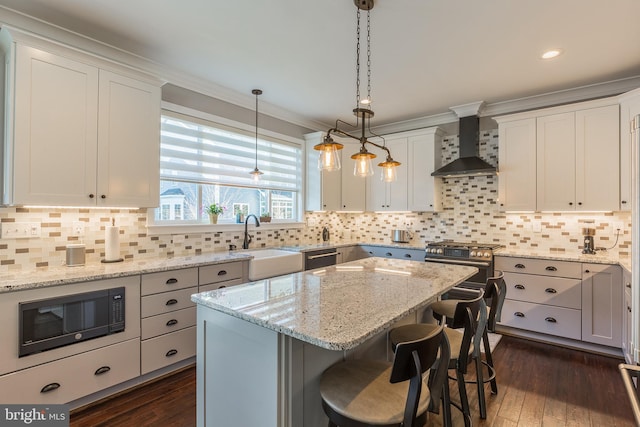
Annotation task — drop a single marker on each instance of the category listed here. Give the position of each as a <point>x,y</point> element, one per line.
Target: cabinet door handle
<point>172,352</point>
<point>388,254</point>
<point>102,370</point>
<point>519,266</point>
<point>551,268</point>
<point>171,281</point>
<point>628,285</point>
<point>91,196</point>
<point>172,301</point>
<point>518,314</point>
<point>551,291</point>
<point>624,202</point>
<point>407,255</point>
<point>519,286</point>
<point>172,322</point>
<point>222,272</point>
<point>570,203</point>
<point>550,320</point>
<point>629,309</point>
<point>50,387</point>
<point>579,203</point>
<point>587,271</point>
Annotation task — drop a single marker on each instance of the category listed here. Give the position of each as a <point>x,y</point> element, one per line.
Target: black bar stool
<point>357,393</point>
<point>471,317</point>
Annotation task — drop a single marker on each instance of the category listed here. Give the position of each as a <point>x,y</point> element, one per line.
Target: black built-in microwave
<point>55,322</point>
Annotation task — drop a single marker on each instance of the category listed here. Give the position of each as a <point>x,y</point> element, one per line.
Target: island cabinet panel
<point>602,299</point>
<point>627,319</point>
<point>74,377</point>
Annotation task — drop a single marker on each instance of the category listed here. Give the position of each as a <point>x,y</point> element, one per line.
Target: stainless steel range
<point>478,255</point>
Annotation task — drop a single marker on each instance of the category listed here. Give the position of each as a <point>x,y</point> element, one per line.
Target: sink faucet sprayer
<point>247,237</point>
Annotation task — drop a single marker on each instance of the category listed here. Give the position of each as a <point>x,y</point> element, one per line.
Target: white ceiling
<point>427,55</point>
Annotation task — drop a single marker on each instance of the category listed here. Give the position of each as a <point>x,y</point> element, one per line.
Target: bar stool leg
<point>481,399</point>
<point>464,399</point>
<point>446,405</point>
<point>489,359</point>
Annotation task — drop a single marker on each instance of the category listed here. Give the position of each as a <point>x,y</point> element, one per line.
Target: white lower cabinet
<point>167,349</point>
<point>74,377</point>
<point>627,319</point>
<point>574,300</point>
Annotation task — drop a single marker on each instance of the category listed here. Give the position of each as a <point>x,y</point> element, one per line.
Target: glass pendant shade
<point>329,159</point>
<point>256,174</point>
<point>363,166</point>
<point>389,168</point>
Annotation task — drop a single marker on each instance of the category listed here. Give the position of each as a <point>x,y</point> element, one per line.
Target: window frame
<point>155,228</point>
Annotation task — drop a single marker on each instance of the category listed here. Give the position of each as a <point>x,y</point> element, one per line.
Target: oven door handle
<point>456,261</point>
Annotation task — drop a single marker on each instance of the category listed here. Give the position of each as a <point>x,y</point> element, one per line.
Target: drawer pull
<point>222,287</point>
<point>519,266</point>
<point>388,254</point>
<point>172,301</point>
<point>172,281</point>
<point>172,352</point>
<point>407,255</point>
<point>551,268</point>
<point>518,314</point>
<point>102,370</point>
<point>172,322</point>
<point>550,320</point>
<point>518,286</point>
<point>222,272</point>
<point>370,252</point>
<point>50,387</point>
<point>551,291</point>
<point>628,285</point>
<point>629,309</point>
<point>587,271</point>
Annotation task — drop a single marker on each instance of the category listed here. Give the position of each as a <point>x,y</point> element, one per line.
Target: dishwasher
<point>320,258</point>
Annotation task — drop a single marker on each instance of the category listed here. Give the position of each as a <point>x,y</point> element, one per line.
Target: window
<point>202,163</point>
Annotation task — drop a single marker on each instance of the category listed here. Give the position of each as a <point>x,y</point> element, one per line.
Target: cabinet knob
<point>629,309</point>
<point>550,320</point>
<point>102,370</point>
<point>50,387</point>
<point>580,203</point>
<point>587,271</point>
<point>518,286</point>
<point>344,206</point>
<point>570,203</point>
<point>407,255</point>
<point>628,285</point>
<point>624,202</point>
<point>103,197</point>
<point>91,196</point>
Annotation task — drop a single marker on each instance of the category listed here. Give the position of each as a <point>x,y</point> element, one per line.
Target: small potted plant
<point>265,217</point>
<point>214,210</point>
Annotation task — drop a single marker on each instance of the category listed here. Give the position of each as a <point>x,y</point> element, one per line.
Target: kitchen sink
<point>273,262</point>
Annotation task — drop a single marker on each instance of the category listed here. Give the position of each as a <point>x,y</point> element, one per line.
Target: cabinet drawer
<point>168,349</point>
<point>399,253</point>
<point>539,266</point>
<point>558,291</point>
<point>220,272</point>
<point>168,322</point>
<point>219,285</point>
<point>77,376</point>
<point>166,302</point>
<point>164,281</point>
<point>547,319</point>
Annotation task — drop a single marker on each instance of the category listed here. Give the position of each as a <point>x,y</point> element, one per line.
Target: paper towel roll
<point>111,243</point>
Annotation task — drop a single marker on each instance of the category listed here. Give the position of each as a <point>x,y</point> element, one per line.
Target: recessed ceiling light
<point>551,53</point>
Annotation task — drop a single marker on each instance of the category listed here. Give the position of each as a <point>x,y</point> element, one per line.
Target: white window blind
<point>193,151</point>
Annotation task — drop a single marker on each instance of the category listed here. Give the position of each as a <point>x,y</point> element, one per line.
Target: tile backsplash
<point>470,214</point>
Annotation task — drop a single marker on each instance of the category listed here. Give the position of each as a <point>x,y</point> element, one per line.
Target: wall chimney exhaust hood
<point>469,163</point>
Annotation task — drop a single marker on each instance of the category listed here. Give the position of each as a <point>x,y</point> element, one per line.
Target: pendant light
<point>329,158</point>
<point>256,172</point>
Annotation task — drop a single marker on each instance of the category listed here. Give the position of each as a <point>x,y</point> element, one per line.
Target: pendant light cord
<point>257,93</point>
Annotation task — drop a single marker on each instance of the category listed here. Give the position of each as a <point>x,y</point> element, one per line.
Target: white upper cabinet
<point>82,135</point>
<point>324,189</point>
<point>568,157</point>
<point>629,108</point>
<point>353,197</point>
<point>424,155</point>
<point>517,165</point>
<point>389,196</point>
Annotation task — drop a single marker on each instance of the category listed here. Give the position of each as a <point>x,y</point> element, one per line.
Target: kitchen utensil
<point>588,244</point>
<point>75,255</point>
<point>325,234</point>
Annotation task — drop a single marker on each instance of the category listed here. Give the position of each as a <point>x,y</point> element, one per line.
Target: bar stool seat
<point>358,393</point>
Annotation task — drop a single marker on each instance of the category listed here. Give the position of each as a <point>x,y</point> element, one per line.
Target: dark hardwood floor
<point>539,385</point>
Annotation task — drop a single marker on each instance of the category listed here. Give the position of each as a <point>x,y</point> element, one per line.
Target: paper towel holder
<point>107,235</point>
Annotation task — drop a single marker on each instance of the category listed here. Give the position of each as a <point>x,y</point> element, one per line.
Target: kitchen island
<point>262,346</point>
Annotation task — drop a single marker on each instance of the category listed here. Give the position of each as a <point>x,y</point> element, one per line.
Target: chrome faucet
<point>247,237</point>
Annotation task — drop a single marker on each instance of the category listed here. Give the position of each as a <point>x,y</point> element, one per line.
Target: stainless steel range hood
<point>469,163</point>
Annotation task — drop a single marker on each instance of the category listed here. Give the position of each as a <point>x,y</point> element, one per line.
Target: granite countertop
<point>600,257</point>
<point>341,306</point>
<point>344,243</point>
<point>62,275</point>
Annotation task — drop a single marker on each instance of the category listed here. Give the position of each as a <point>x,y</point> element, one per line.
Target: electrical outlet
<point>21,230</point>
<point>78,228</point>
<point>618,225</point>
